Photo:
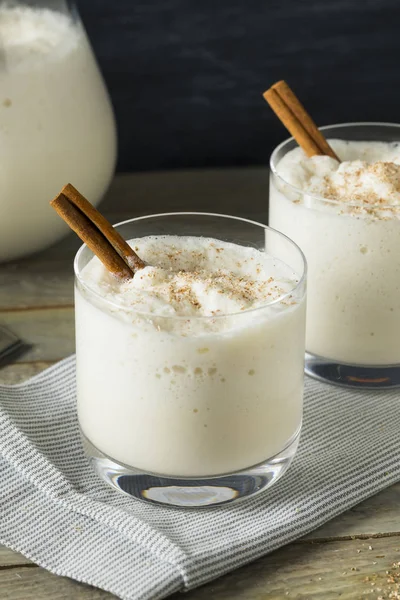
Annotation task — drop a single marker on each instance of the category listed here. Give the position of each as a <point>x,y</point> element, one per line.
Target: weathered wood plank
<point>235,191</point>
<point>37,584</point>
<point>35,282</point>
<point>378,514</point>
<point>8,558</point>
<point>50,332</point>
<point>351,570</point>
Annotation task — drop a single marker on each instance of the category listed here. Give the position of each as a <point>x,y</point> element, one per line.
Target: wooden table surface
<point>355,556</point>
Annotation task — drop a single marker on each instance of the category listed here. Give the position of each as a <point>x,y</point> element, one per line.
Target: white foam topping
<point>369,173</point>
<point>194,276</point>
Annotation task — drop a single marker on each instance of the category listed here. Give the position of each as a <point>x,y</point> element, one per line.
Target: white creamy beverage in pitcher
<point>56,124</point>
<point>345,217</point>
<point>195,366</point>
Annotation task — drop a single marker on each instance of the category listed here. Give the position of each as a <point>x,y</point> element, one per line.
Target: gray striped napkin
<point>60,515</point>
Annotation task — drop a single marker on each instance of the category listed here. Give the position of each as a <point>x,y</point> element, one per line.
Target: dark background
<point>186,76</point>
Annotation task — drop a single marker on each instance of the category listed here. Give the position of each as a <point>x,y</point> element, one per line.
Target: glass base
<point>353,376</point>
<point>191,492</point>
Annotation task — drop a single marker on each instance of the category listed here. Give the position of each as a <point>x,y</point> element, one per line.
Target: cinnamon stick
<point>297,121</point>
<point>94,229</point>
<point>115,239</point>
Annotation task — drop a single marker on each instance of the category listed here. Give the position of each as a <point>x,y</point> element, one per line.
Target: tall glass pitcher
<point>56,121</point>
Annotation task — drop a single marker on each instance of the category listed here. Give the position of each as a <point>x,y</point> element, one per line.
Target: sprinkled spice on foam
<point>191,276</point>
<point>369,177</point>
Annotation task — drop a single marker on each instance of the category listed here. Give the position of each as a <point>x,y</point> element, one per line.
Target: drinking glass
<point>192,411</point>
<point>353,255</point>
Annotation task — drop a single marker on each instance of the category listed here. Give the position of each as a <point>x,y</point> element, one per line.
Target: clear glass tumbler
<point>353,256</point>
<point>192,411</point>
<point>56,121</point>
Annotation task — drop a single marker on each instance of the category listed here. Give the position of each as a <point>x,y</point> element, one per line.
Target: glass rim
<point>273,166</point>
<point>298,284</point>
